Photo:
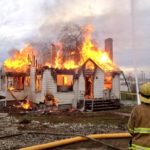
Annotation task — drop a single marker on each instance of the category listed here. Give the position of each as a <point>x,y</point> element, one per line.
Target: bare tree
<point>71,37</point>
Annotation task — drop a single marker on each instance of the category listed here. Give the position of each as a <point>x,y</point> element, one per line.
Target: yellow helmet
<point>145,92</point>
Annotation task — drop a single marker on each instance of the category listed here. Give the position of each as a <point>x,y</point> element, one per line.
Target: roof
<point>106,67</point>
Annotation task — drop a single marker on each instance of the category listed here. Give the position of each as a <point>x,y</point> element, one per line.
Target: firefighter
<point>139,121</point>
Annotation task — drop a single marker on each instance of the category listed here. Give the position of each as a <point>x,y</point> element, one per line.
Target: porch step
<point>97,105</point>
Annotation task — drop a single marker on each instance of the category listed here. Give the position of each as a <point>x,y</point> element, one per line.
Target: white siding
<point>65,97</point>
<point>50,86</point>
<point>81,87</point>
<point>75,89</point>
<point>20,95</point>
<point>98,83</point>
<point>32,83</point>
<point>116,86</point>
<point>43,90</point>
<point>39,97</point>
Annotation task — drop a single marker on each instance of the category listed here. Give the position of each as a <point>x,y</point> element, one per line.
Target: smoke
<point>104,16</point>
<point>40,22</point>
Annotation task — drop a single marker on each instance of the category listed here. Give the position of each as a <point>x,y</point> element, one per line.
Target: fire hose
<point>77,139</point>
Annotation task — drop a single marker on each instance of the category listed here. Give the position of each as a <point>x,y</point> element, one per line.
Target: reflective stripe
<point>137,147</point>
<point>131,130</point>
<point>140,130</point>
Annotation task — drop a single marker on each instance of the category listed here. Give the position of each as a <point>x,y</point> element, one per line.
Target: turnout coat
<point>139,127</point>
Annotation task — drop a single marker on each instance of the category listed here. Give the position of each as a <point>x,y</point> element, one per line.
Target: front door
<point>89,87</point>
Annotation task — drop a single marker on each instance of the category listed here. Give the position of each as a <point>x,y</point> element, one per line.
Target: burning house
<point>92,82</point>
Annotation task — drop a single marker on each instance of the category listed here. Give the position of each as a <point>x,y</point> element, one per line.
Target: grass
<point>83,118</point>
<point>128,96</point>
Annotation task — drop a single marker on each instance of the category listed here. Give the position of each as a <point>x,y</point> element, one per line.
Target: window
<point>64,83</point>
<point>10,83</point>
<point>108,82</point>
<point>38,83</point>
<point>19,83</point>
<point>15,83</point>
<point>27,81</point>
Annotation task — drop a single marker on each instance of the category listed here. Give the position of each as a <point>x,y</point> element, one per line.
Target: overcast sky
<point>39,21</point>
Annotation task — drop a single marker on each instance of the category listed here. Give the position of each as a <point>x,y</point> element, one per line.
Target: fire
<point>89,50</point>
<point>98,56</point>
<point>70,64</point>
<point>48,64</point>
<point>26,105</point>
<point>20,60</point>
<point>65,80</point>
<point>90,65</point>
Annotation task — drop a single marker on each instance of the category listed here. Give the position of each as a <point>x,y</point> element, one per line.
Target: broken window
<point>108,82</point>
<point>10,83</point>
<point>64,83</point>
<point>15,83</point>
<point>38,83</point>
<point>19,83</point>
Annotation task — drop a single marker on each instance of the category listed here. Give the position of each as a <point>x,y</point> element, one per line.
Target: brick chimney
<point>109,47</point>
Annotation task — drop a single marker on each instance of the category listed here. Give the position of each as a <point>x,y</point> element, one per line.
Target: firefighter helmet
<point>145,92</point>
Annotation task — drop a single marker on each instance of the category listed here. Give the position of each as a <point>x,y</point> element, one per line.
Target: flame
<point>48,64</point>
<point>70,65</point>
<point>20,60</point>
<point>65,80</point>
<point>89,51</point>
<point>11,88</point>
<point>58,60</point>
<point>90,65</point>
<point>26,105</point>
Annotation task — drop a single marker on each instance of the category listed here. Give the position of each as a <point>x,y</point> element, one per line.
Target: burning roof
<point>21,60</point>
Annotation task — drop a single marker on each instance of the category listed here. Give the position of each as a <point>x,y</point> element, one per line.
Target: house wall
<point>116,86</point>
<point>19,94</point>
<point>49,85</point>
<point>98,83</point>
<point>81,87</point>
<point>76,91</point>
<point>43,89</point>
<point>32,83</point>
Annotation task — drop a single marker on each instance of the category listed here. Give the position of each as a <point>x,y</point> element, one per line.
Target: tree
<point>71,36</point>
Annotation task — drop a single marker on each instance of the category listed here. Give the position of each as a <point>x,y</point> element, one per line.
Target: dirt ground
<point>29,128</point>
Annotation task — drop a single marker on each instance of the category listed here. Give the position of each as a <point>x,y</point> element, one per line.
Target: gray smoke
<point>40,22</point>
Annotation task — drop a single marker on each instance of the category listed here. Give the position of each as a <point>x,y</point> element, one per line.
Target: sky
<point>127,22</point>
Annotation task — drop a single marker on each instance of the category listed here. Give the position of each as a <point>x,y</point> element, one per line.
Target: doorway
<point>89,87</point>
